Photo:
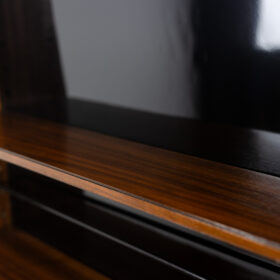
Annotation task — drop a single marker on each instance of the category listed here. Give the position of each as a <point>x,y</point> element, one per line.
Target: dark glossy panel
<point>239,73</point>
<point>212,60</point>
<point>92,248</point>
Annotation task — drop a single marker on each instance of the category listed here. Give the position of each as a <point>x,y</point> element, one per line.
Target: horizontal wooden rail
<point>233,205</point>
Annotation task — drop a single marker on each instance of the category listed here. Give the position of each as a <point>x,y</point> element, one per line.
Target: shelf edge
<point>228,235</point>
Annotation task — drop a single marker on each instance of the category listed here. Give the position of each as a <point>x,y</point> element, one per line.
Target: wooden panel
<point>24,257</point>
<point>231,204</point>
<point>30,66</point>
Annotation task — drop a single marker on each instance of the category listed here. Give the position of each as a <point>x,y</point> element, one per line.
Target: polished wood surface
<point>25,257</point>
<point>252,149</point>
<point>233,205</point>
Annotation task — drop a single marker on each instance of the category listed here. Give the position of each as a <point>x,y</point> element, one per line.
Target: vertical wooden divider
<point>5,205</point>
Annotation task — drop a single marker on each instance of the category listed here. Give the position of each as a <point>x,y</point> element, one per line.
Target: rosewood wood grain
<point>252,149</point>
<point>233,205</point>
<point>25,257</point>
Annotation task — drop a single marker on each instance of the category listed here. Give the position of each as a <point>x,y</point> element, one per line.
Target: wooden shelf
<point>25,257</point>
<point>233,205</point>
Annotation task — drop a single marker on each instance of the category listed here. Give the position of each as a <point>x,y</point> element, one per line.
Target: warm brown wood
<point>25,257</point>
<point>234,205</point>
<point>5,209</point>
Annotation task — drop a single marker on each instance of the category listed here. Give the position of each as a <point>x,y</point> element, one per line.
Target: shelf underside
<point>233,205</point>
